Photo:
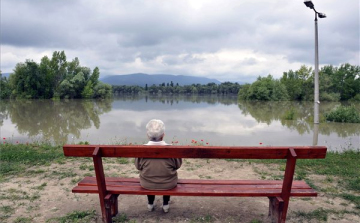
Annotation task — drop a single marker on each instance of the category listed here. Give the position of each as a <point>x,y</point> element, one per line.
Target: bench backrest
<point>234,152</point>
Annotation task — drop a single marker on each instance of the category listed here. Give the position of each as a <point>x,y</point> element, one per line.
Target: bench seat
<point>189,187</point>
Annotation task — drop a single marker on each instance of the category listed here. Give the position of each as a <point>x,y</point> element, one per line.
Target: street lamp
<point>316,79</point>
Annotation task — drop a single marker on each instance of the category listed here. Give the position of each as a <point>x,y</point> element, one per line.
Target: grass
<point>15,194</point>
<point>6,211</point>
<point>62,174</point>
<point>321,214</point>
<point>353,198</point>
<point>122,218</point>
<point>318,214</point>
<point>23,220</point>
<point>75,217</point>
<point>40,187</point>
<point>16,159</point>
<point>206,218</point>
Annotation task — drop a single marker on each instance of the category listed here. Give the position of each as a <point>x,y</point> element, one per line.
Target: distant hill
<point>140,79</point>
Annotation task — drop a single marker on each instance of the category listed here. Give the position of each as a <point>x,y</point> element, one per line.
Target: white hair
<point>155,130</point>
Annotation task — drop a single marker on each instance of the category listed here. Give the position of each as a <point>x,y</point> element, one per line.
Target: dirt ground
<point>44,192</point>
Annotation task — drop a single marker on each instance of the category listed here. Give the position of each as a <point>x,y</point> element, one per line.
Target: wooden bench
<point>278,191</point>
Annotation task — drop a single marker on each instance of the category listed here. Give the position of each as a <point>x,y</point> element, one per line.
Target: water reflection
<point>216,120</point>
<point>176,99</point>
<point>268,112</point>
<point>54,120</point>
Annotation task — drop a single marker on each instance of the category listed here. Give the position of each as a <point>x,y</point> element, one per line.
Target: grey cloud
<point>118,32</point>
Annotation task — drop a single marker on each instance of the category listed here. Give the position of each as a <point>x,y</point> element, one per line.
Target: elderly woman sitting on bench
<point>157,174</point>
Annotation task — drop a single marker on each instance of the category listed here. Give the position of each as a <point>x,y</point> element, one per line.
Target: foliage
<point>298,83</point>
<point>264,89</point>
<point>348,114</point>
<point>325,96</point>
<point>336,83</point>
<point>226,88</point>
<point>5,90</point>
<point>54,78</point>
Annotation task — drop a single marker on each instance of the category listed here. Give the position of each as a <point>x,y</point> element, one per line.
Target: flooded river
<point>209,120</point>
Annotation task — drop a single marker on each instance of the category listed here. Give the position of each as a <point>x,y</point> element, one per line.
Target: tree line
<point>226,88</point>
<point>336,84</point>
<point>53,78</point>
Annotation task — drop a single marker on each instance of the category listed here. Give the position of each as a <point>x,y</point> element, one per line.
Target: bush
<point>347,114</point>
<point>356,98</point>
<point>329,96</point>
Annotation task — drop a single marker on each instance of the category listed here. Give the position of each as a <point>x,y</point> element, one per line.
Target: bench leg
<point>111,207</point>
<point>276,206</point>
<point>114,205</point>
<point>107,215</point>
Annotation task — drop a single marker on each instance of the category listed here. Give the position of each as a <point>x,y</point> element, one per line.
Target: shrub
<point>347,114</point>
<point>329,96</point>
<point>356,98</point>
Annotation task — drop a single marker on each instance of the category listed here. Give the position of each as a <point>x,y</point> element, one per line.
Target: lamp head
<point>321,15</point>
<point>309,4</point>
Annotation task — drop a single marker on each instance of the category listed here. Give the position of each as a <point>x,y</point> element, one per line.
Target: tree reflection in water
<point>267,112</point>
<point>208,116</point>
<point>55,121</point>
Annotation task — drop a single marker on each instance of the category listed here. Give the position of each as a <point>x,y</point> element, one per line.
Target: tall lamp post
<point>316,79</point>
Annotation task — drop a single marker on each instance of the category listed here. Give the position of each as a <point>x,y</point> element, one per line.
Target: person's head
<point>155,130</point>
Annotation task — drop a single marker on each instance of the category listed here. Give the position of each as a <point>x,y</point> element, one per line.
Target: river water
<point>209,120</point>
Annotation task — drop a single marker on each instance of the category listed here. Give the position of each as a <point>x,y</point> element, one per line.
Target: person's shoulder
<point>161,143</point>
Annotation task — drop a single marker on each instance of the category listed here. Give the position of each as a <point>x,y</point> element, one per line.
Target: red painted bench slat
<point>203,191</point>
<point>239,152</point>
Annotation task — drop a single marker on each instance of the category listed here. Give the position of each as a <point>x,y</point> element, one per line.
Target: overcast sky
<point>230,40</point>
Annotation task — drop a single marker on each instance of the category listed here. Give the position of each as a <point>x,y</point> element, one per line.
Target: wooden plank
<point>199,186</point>
<point>198,192</point>
<point>193,181</point>
<point>216,152</point>
<point>92,180</point>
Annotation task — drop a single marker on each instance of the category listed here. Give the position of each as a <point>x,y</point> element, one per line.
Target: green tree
<point>102,90</point>
<point>94,78</point>
<point>58,70</point>
<point>46,73</point>
<point>26,80</point>
<point>56,78</point>
<point>264,89</point>
<point>5,90</point>
<point>297,83</point>
<point>88,91</point>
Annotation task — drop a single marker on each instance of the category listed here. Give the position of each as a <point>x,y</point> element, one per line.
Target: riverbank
<point>36,182</point>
